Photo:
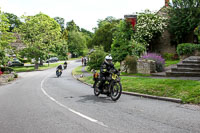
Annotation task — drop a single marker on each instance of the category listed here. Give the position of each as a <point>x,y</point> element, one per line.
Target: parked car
<point>15,63</point>
<point>52,59</point>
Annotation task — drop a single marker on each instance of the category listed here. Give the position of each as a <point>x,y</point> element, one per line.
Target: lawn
<point>186,90</point>
<point>31,68</point>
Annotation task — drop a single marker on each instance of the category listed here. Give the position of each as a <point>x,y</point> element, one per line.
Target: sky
<point>85,13</point>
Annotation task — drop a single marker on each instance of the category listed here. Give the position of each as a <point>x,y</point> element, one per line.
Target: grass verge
<point>31,68</point>
<point>186,90</point>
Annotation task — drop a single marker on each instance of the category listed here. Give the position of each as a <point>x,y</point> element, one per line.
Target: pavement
<point>85,74</point>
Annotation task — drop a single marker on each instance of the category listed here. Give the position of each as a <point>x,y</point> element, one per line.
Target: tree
<point>184,18</point>
<point>5,37</point>
<point>96,58</point>
<point>122,45</point>
<point>61,22</point>
<point>103,35</point>
<point>71,26</point>
<point>39,33</point>
<point>76,43</point>
<point>13,20</point>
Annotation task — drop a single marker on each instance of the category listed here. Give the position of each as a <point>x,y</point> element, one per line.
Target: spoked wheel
<point>96,89</point>
<point>116,91</point>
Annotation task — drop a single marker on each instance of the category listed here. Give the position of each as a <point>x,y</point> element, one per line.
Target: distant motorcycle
<point>112,86</point>
<point>65,66</point>
<point>58,72</point>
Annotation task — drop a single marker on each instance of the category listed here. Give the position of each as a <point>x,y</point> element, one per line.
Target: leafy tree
<point>39,33</point>
<point>76,43</point>
<point>122,45</point>
<point>5,37</point>
<point>103,35</point>
<point>184,17</point>
<point>13,20</point>
<point>149,26</point>
<point>61,22</point>
<point>71,26</point>
<point>96,58</point>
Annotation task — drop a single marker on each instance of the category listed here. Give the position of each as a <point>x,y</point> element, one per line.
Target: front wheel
<point>116,91</point>
<point>96,88</point>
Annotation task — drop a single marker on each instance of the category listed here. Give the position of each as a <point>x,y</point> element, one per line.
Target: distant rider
<point>65,65</point>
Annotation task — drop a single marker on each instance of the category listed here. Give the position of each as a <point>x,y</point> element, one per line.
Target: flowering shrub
<point>160,62</point>
<point>149,25</point>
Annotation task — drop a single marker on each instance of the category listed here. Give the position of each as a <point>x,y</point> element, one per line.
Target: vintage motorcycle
<point>58,72</point>
<point>112,86</point>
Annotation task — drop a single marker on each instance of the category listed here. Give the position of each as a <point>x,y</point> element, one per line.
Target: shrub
<point>15,75</point>
<point>160,62</point>
<point>168,56</point>
<point>138,49</point>
<point>187,49</point>
<point>131,64</point>
<point>96,58</point>
<point>7,69</point>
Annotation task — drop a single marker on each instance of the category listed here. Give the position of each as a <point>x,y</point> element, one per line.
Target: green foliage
<point>76,43</point>
<point>131,63</point>
<point>71,26</point>
<point>121,46</point>
<point>149,26</point>
<point>184,17</point>
<point>14,21</point>
<point>197,33</point>
<point>96,58</point>
<point>61,22</point>
<point>8,69</point>
<point>187,49</point>
<point>5,38</point>
<point>103,35</point>
<point>39,33</point>
<point>168,56</point>
<point>137,48</point>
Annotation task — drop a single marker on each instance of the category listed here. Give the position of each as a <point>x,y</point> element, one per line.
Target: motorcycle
<point>65,66</point>
<point>112,86</point>
<point>58,72</point>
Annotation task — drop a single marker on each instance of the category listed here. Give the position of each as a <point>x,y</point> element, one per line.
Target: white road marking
<point>69,109</point>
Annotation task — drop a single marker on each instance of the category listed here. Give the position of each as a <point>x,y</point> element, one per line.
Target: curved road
<point>38,102</point>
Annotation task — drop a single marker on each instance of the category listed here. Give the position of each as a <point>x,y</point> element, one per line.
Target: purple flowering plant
<point>160,62</point>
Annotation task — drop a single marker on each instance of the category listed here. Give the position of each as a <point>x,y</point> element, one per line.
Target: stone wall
<point>4,78</point>
<point>146,66</point>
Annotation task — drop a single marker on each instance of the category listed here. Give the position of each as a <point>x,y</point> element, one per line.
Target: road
<point>38,102</point>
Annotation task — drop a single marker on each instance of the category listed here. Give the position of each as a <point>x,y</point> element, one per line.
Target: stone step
<point>188,65</point>
<point>182,74</point>
<point>185,69</point>
<point>191,61</point>
<point>193,58</point>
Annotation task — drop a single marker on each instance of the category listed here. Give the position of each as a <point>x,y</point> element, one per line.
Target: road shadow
<point>95,99</point>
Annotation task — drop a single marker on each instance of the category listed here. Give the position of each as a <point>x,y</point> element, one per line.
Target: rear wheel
<point>96,88</point>
<point>116,91</point>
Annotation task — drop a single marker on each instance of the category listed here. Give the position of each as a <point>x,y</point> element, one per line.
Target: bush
<point>168,56</point>
<point>96,59</point>
<point>187,49</point>
<point>131,64</point>
<point>160,62</point>
<point>7,69</point>
<point>138,49</point>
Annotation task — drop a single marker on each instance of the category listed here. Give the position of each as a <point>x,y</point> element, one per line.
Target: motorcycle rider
<point>106,66</point>
<point>59,67</point>
<point>65,65</point>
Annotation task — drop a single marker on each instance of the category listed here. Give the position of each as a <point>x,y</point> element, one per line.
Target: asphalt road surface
<point>39,102</point>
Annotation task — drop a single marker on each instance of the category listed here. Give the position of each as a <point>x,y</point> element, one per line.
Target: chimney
<point>166,3</point>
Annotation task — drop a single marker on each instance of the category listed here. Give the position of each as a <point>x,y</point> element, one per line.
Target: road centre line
<point>69,109</point>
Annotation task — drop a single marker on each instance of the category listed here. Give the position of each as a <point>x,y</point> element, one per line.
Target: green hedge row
<point>187,49</point>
